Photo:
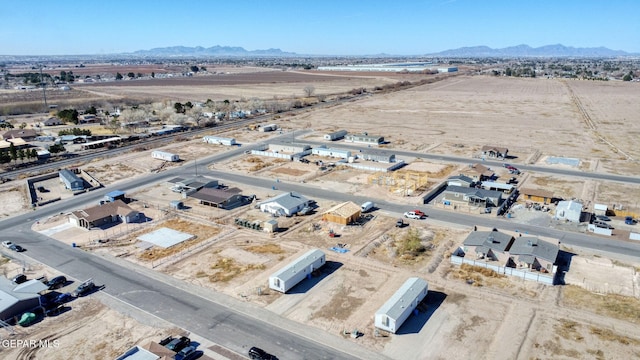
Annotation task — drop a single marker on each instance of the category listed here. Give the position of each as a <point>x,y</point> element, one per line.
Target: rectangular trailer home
<point>166,156</point>
<point>399,307</point>
<point>290,275</point>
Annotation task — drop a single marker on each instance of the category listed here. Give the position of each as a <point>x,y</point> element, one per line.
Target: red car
<point>419,213</point>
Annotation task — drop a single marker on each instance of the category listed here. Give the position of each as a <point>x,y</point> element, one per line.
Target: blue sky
<point>347,27</point>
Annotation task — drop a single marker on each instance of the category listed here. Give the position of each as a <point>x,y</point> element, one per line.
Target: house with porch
<point>489,245</point>
<point>494,151</point>
<point>534,254</point>
<point>104,214</point>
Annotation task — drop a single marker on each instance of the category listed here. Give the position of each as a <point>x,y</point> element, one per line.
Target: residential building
<point>471,196</point>
<point>285,204</point>
<point>104,214</point>
<point>336,135</point>
<point>71,180</point>
<point>569,210</point>
<point>494,151</point>
<point>345,213</point>
<point>331,152</point>
<point>18,299</point>
<point>399,307</point>
<point>25,134</point>
<point>223,198</point>
<point>364,138</point>
<point>537,195</point>
<point>490,245</point>
<point>460,180</point>
<point>534,254</point>
<point>478,172</point>
<point>301,268</point>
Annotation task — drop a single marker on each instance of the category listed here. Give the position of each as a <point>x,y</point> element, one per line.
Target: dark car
<point>16,248</point>
<point>19,279</point>
<point>259,354</point>
<point>603,218</point>
<point>178,344</point>
<point>57,282</point>
<point>187,353</point>
<point>63,298</point>
<point>84,288</point>
<point>56,310</point>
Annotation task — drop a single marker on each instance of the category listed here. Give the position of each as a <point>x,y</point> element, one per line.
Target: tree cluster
<point>75,131</point>
<point>68,115</point>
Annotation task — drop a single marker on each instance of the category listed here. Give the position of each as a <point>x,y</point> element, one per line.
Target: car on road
<point>16,248</point>
<point>84,288</point>
<point>255,353</point>
<point>412,215</point>
<point>57,282</point>
<point>177,344</point>
<point>7,244</point>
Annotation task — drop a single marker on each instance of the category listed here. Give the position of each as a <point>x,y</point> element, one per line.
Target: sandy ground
<point>524,320</point>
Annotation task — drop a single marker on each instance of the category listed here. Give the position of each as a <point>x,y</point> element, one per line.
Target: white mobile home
<point>162,155</point>
<point>292,274</point>
<point>400,306</point>
<point>219,140</point>
<point>335,135</point>
<point>267,128</point>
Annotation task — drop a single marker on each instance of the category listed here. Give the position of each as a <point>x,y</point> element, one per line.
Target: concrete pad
<point>165,237</point>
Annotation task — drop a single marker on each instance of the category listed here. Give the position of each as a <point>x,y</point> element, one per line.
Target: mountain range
<point>557,50</point>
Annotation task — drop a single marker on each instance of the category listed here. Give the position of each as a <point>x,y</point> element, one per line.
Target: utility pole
<point>44,93</point>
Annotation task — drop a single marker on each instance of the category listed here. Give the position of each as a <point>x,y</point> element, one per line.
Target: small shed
<point>344,213</point>
<point>400,306</point>
<point>176,204</point>
<point>301,268</point>
<point>270,226</point>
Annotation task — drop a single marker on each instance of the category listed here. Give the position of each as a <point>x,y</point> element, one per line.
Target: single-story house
<point>537,195</point>
<point>115,195</point>
<point>52,121</point>
<point>473,196</point>
<point>193,184</point>
<point>490,245</point>
<point>289,148</point>
<point>285,204</point>
<point>209,139</point>
<point>337,135</point>
<point>289,276</point>
<point>534,254</point>
<point>399,307</point>
<point>364,138</point>
<point>460,180</point>
<point>495,151</point>
<point>344,213</point>
<point>223,198</point>
<point>18,299</point>
<point>25,134</point>
<point>103,214</point>
<point>331,152</point>
<point>378,156</point>
<point>18,143</point>
<point>497,186</point>
<point>152,351</point>
<point>569,210</point>
<point>71,180</point>
<point>478,172</point>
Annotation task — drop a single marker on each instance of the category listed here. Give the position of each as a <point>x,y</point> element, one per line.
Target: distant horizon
<point>286,52</point>
<point>329,28</point>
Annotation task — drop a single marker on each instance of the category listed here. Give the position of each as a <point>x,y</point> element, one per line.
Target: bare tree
<point>309,90</point>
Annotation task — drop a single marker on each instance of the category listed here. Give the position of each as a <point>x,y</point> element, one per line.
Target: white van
<point>368,206</point>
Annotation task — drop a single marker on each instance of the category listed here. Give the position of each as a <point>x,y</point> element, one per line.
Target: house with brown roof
<point>104,214</point>
<point>478,172</point>
<point>345,213</point>
<point>52,121</point>
<point>494,151</point>
<point>536,195</point>
<point>25,134</point>
<point>223,198</point>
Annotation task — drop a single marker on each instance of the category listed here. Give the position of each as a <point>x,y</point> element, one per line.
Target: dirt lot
<point>524,320</point>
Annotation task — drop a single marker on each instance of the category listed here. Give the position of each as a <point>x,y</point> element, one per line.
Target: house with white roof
<point>286,204</point>
<point>399,307</point>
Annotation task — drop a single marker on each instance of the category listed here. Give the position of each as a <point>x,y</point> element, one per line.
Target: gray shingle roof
<point>534,247</point>
<point>479,193</point>
<point>493,240</point>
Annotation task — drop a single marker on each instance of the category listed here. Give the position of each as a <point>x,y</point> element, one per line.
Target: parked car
<point>259,354</point>
<point>84,288</point>
<point>186,353</point>
<point>178,344</point>
<point>19,279</point>
<point>56,310</point>
<point>57,282</point>
<point>7,244</point>
<point>602,224</point>
<point>603,218</point>
<point>63,298</point>
<point>412,215</point>
<point>16,248</point>
<point>400,223</point>
<point>629,220</point>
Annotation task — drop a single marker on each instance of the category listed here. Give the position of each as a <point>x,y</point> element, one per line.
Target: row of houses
<point>388,317</point>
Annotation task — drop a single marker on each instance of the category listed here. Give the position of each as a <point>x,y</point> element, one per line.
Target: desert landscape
<point>469,312</point>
